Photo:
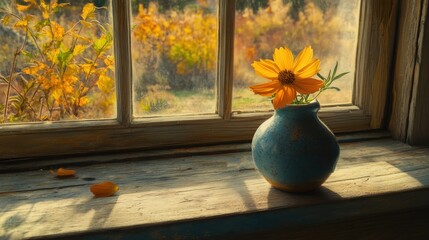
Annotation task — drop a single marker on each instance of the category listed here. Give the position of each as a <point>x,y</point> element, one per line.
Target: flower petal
<point>62,172</point>
<point>104,189</point>
<point>310,70</point>
<point>266,68</point>
<point>307,85</point>
<point>284,97</point>
<point>266,89</point>
<point>283,57</point>
<point>303,58</point>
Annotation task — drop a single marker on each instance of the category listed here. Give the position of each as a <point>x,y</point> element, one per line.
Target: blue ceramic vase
<point>294,150</point>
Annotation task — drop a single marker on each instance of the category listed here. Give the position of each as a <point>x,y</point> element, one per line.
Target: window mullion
<point>226,57</point>
<point>122,41</point>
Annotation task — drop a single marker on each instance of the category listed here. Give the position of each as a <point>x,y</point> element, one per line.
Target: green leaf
<point>335,70</point>
<point>335,88</point>
<point>342,74</point>
<point>41,24</point>
<point>103,43</point>
<point>64,57</point>
<point>27,54</point>
<point>320,76</point>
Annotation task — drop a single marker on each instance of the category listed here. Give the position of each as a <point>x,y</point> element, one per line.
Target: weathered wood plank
<point>226,57</point>
<point>123,62</point>
<point>405,66</point>
<point>74,139</point>
<point>296,223</point>
<point>418,126</point>
<point>200,187</point>
<point>409,224</point>
<point>374,58</point>
<point>15,165</point>
<point>195,165</point>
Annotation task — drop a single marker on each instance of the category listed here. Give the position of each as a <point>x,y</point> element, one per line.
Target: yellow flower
<point>288,75</point>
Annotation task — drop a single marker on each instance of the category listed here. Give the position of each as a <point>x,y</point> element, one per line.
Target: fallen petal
<point>62,172</point>
<point>104,189</point>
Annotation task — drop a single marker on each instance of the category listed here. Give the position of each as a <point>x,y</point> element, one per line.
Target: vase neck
<point>296,109</point>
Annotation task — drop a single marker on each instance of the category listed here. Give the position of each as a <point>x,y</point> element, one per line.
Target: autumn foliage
<point>59,66</point>
<point>62,66</point>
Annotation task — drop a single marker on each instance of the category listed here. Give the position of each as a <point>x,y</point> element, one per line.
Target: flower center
<point>286,77</point>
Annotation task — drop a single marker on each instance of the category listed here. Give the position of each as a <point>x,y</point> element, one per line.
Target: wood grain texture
<point>209,188</point>
<point>418,125</point>
<point>21,165</point>
<point>299,223</point>
<point>409,29</point>
<point>226,57</point>
<point>123,62</point>
<point>410,224</point>
<point>375,58</point>
<point>63,138</point>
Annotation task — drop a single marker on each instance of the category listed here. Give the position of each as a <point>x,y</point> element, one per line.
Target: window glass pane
<point>174,52</point>
<point>330,27</point>
<point>56,61</point>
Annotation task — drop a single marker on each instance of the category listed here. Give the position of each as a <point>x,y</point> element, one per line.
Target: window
<point>143,121</point>
<point>174,52</point>
<point>330,27</point>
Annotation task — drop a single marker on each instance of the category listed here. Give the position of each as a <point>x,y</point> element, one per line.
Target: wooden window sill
<point>377,183</point>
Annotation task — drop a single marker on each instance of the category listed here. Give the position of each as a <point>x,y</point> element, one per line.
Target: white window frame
<point>126,133</point>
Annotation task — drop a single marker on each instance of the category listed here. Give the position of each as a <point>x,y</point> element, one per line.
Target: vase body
<point>294,150</point>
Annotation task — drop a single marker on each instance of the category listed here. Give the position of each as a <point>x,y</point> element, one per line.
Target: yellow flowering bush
<point>56,69</point>
<point>180,43</point>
